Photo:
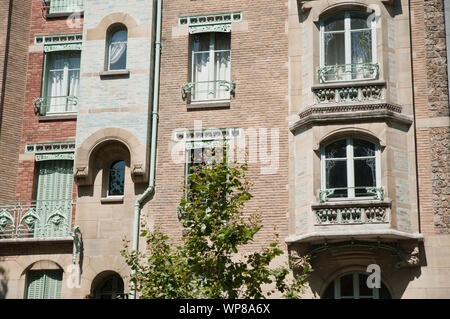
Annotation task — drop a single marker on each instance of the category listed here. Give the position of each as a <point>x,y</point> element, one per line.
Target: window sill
<point>208,105</point>
<point>112,200</point>
<point>343,84</point>
<point>114,73</point>
<point>352,203</point>
<point>57,117</point>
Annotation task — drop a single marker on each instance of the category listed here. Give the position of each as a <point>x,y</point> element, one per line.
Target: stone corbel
<point>305,5</point>
<point>82,176</point>
<point>412,256</point>
<point>298,262</point>
<point>388,2</point>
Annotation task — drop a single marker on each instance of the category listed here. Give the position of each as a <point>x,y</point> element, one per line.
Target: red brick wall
<point>33,130</point>
<point>14,29</point>
<point>259,67</point>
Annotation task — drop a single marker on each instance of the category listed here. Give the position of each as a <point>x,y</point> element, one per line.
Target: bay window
<point>348,47</point>
<point>350,169</point>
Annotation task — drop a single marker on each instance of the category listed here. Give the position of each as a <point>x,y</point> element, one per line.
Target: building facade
<point>340,108</point>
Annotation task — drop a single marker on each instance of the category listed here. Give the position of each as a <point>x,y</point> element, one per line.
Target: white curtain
<point>222,64</point>
<point>63,81</point>
<point>116,52</point>
<point>57,87</point>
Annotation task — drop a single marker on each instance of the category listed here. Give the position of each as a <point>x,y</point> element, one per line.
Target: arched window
<point>350,169</point>
<point>117,48</point>
<point>111,287</point>
<point>348,47</point>
<point>354,286</point>
<point>44,284</point>
<point>116,181</point>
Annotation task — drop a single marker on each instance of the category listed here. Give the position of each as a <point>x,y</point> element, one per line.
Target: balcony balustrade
<point>62,7</point>
<point>204,91</point>
<point>55,104</point>
<point>36,219</point>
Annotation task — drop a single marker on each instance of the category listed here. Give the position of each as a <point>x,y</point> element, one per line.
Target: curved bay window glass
<point>354,286</point>
<point>350,168</point>
<point>116,181</point>
<point>348,47</point>
<point>117,48</point>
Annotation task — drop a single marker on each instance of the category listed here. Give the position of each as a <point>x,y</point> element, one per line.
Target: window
<point>117,48</point>
<point>348,47</point>
<point>63,7</point>
<point>61,81</point>
<point>350,169</point>
<point>210,66</point>
<point>44,284</point>
<point>116,180</point>
<point>203,153</point>
<point>354,286</point>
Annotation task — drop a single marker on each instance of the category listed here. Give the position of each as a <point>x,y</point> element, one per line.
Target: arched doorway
<point>108,285</point>
<point>354,286</point>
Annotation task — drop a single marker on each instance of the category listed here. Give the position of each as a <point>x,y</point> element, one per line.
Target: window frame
<point>109,179</point>
<point>111,31</point>
<point>349,159</point>
<point>211,71</point>
<point>46,76</point>
<point>347,38</point>
<point>376,292</point>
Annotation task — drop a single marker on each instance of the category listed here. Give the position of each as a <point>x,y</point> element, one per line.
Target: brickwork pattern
<point>259,68</point>
<point>33,130</point>
<point>431,100</point>
<point>14,29</point>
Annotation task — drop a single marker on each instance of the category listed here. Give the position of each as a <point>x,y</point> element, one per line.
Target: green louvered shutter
<point>35,284</point>
<point>54,191</point>
<point>44,284</point>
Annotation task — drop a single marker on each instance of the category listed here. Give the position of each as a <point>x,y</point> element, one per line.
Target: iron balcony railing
<point>55,104</point>
<point>36,219</point>
<point>348,72</point>
<point>204,91</point>
<point>376,193</point>
<point>57,7</point>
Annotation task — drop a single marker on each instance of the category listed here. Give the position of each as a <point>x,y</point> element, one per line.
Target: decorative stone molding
<point>52,147</point>
<point>319,116</point>
<point>58,39</point>
<point>346,92</point>
<point>351,212</point>
<point>84,154</point>
<point>54,157</point>
<point>334,108</point>
<point>210,19</point>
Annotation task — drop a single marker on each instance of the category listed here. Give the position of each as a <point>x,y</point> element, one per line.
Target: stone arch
<point>349,269</point>
<point>102,278</point>
<point>85,153</point>
<point>323,8</point>
<point>134,29</point>
<point>345,131</point>
<point>43,264</point>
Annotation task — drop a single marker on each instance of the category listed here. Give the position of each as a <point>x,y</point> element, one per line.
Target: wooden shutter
<point>55,185</point>
<point>44,284</point>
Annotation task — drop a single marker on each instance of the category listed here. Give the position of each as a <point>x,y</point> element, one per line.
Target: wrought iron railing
<point>55,104</point>
<point>376,193</point>
<point>55,7</point>
<point>208,90</point>
<point>36,219</point>
<point>348,72</point>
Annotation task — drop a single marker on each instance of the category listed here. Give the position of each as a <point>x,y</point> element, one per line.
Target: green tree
<point>207,263</point>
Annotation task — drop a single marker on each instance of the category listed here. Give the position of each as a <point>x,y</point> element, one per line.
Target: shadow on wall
<point>3,283</point>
